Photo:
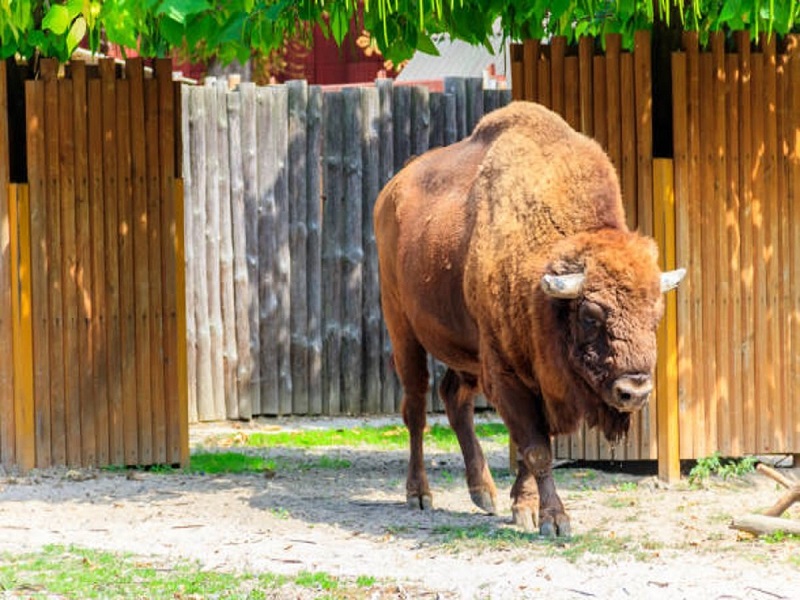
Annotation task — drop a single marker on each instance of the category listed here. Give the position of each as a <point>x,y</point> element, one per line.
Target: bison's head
<point>605,288</point>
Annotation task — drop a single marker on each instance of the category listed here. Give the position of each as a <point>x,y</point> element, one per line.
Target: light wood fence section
<point>95,239</point>
<point>283,310</point>
<point>724,207</point>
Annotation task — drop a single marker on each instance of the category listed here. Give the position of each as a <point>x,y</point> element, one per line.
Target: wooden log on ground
<point>789,498</point>
<point>764,525</point>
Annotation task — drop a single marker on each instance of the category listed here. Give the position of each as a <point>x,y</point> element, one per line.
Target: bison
<point>506,256</point>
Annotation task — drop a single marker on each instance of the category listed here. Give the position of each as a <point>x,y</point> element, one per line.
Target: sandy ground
<point>652,541</point>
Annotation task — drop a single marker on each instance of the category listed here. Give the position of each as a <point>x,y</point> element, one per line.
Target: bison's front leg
<point>534,494</point>
<point>535,501</point>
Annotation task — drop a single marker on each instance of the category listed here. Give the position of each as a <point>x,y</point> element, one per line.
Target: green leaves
<point>232,29</point>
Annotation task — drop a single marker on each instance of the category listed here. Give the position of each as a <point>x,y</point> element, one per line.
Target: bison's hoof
<point>484,500</point>
<point>552,527</point>
<point>525,518</point>
<point>420,501</point>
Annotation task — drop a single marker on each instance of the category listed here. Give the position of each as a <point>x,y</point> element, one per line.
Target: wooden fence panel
<point>96,379</point>
<point>332,152</point>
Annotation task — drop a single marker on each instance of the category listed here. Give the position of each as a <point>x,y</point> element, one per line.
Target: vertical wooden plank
<point>154,259</point>
<point>333,107</point>
<point>793,185</point>
<point>111,212</point>
<point>474,101</point>
<point>389,384</point>
<point>99,390</point>
<point>206,410</point>
<point>733,233</point>
<point>20,241</point>
<point>558,49</point>
<point>141,262</point>
<point>173,279</point>
<point>314,220</point>
<point>352,268</point>
<point>613,100</point>
<point>54,274</point>
<point>7,407</point>
<point>771,257</point>
<point>267,252</point>
<point>228,303</point>
<point>643,101</point>
<point>436,103</point>
<point>628,138</point>
<point>189,250</point>
<point>683,255</point>
<point>759,222</point>
<point>749,358</point>
<point>370,156</point>
<point>241,279</point>
<point>586,60</point>
<point>666,409</point>
<point>530,53</point>
<point>543,82</point>
<point>517,71</point>
<point>720,247</point>
<point>457,87</point>
<point>211,241</point>
<point>401,119</point>
<point>696,424</point>
<point>127,307</point>
<point>298,205</point>
<point>784,434</point>
<point>182,419</point>
<point>708,255</point>
<point>280,112</point>
<point>68,267</point>
<point>420,120</point>
<point>83,271</point>
<point>643,91</point>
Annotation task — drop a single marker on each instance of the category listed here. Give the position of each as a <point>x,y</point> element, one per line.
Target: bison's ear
<point>671,279</point>
<point>563,286</point>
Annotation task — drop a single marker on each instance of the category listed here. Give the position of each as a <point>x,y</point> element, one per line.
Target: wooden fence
<point>95,297</point>
<point>283,313</point>
<point>724,208</point>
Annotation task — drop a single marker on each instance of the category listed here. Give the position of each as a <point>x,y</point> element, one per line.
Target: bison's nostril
<point>632,391</point>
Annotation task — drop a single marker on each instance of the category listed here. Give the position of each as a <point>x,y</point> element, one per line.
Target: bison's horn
<point>563,286</point>
<point>671,279</point>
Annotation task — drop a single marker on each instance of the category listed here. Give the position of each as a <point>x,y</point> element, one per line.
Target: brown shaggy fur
<point>464,235</point>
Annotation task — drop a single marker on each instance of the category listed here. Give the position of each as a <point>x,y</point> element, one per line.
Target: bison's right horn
<point>563,286</point>
<point>671,279</point>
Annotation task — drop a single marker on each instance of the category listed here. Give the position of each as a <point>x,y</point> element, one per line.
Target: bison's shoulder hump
<point>527,118</point>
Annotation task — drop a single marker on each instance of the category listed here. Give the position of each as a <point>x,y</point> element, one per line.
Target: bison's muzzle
<point>631,392</point>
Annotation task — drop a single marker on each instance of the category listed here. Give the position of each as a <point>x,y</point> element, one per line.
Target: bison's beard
<point>613,423</point>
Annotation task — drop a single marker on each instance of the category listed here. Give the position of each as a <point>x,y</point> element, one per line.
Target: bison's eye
<point>591,317</point>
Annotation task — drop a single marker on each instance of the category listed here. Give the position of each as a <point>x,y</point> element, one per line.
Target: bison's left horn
<point>563,286</point>
<point>671,279</point>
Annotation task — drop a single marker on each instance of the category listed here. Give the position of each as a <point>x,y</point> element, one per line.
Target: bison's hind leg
<point>457,391</point>
<point>411,363</point>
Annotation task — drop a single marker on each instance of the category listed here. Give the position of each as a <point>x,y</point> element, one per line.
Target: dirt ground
<point>645,540</point>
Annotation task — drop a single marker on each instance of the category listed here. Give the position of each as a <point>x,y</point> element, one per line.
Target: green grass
<point>215,463</point>
<point>715,465</point>
<point>73,572</point>
<point>392,437</point>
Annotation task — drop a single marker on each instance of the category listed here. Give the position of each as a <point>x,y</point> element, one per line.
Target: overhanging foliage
<point>229,29</point>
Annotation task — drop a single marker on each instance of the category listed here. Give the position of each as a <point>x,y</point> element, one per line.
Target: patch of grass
<point>779,537</point>
<point>596,544</point>
<point>484,534</point>
<point>392,437</point>
<point>71,572</point>
<point>715,465</point>
<point>214,463</point>
<point>81,573</point>
<point>628,486</point>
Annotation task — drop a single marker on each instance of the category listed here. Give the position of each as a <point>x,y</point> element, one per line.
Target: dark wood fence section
<point>283,313</point>
<point>96,241</point>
